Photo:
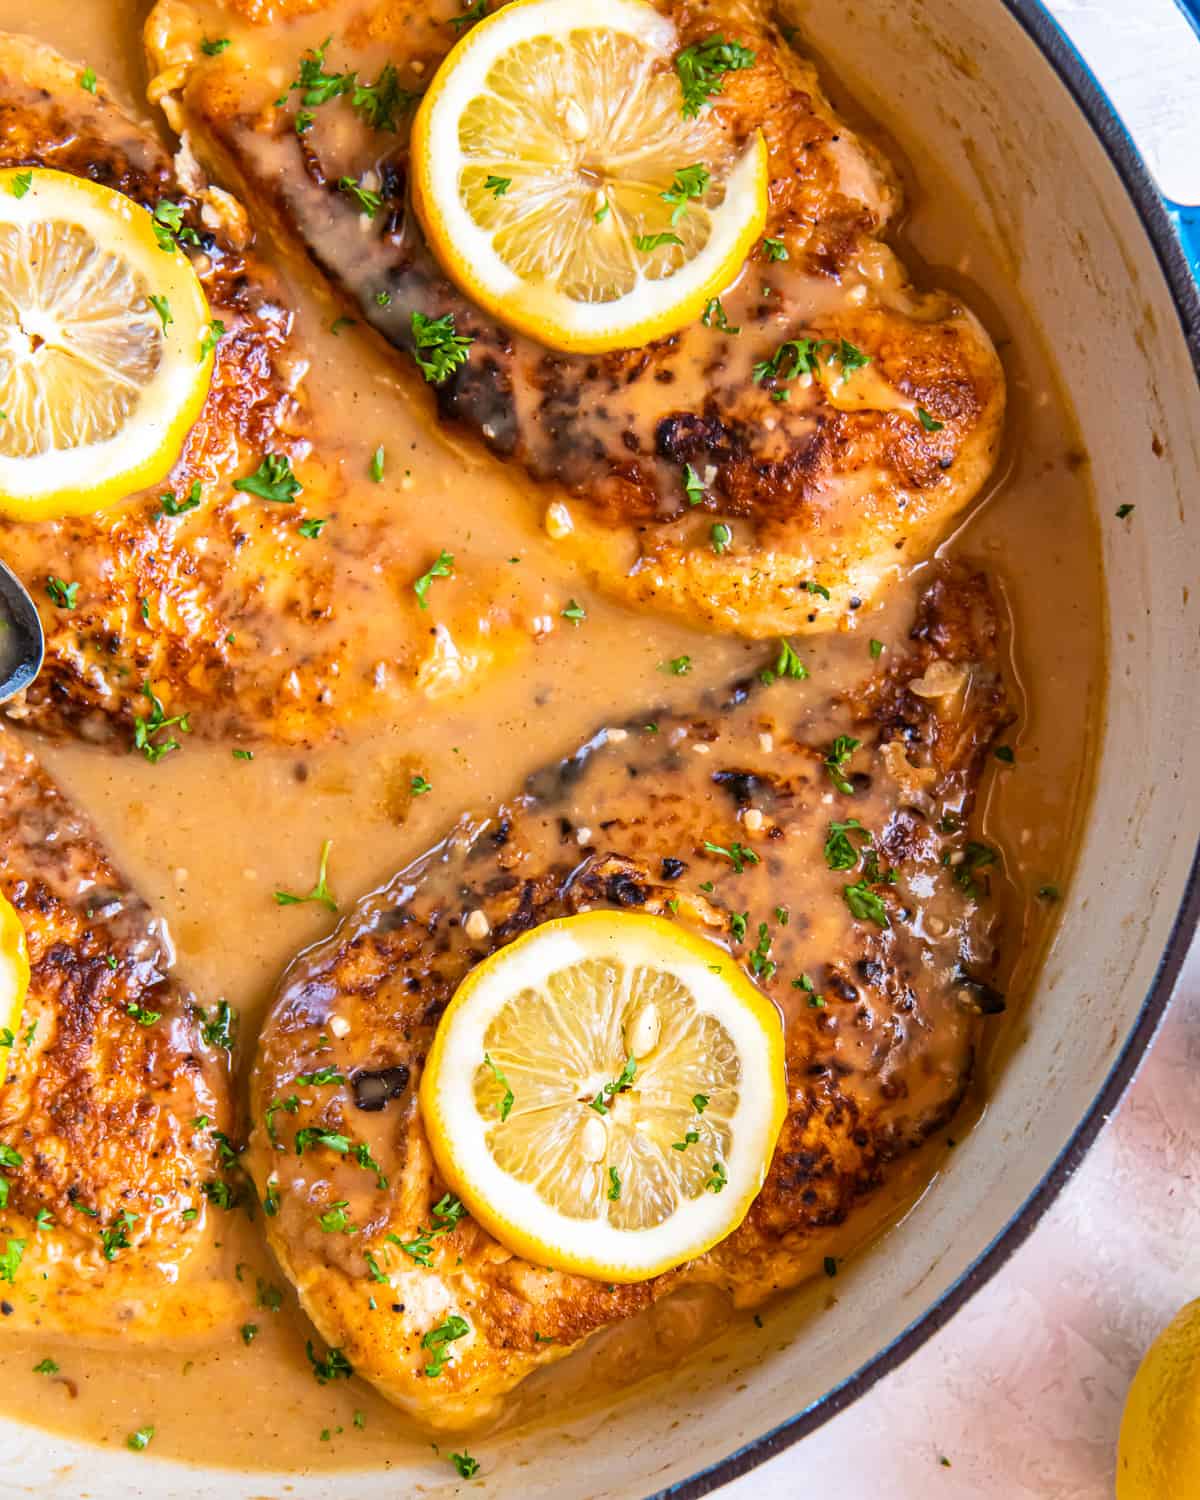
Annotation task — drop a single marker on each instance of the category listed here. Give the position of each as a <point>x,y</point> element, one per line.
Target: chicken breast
<point>115,1105</point>
<point>256,618</point>
<point>882,1021</point>
<point>826,485</point>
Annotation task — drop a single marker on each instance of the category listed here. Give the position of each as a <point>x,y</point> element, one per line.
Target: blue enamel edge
<point>1187,220</point>
<point>1187,225</point>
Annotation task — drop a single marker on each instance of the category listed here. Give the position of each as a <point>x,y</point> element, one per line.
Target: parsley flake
<point>702,68</point>
<point>320,892</point>
<point>272,480</point>
<point>443,567</point>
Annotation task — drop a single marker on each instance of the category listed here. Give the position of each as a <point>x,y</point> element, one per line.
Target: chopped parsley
<point>314,85</point>
<point>147,728</point>
<point>614,1185</point>
<point>375,468</point>
<point>362,1155</point>
<point>214,48</point>
<point>876,648</point>
<point>507,1102</point>
<point>141,1015</point>
<point>418,786</point>
<point>840,852</point>
<point>10,1260</point>
<point>702,68</point>
<point>116,1237</point>
<point>688,183</point>
<point>312,1136</point>
<point>9,1155</point>
<point>438,1340</point>
<point>699,1103</point>
<point>574,612</point>
<point>313,527</point>
<point>930,424</point>
<point>974,857</point>
<point>65,595</point>
<point>46,1367</point>
<point>814,588</point>
<point>474,13</point>
<point>617,1086</point>
<point>497,186</point>
<point>774,249</point>
<point>289,1105</point>
<point>1005,754</point>
<point>443,567</point>
<point>720,536</point>
<point>678,666</point>
<point>249,1333</point>
<point>379,103</point>
<point>737,853</point>
<point>714,317</point>
<point>335,1220</point>
<point>447,1211</point>
<point>169,506</point>
<point>437,348</point>
<point>163,308</point>
<point>693,485</point>
<point>762,965</point>
<point>213,335</point>
<point>1125,510</point>
<point>718,1179</point>
<point>320,892</point>
<point>169,228</point>
<point>864,904</point>
<point>221,1030</point>
<point>272,480</point>
<point>367,201</point>
<point>601,213</point>
<point>334,1366</point>
<point>21,183</point>
<point>787,664</point>
<point>140,1440</point>
<point>647,243</point>
<point>467,1466</point>
<point>840,752</point>
<point>87,80</point>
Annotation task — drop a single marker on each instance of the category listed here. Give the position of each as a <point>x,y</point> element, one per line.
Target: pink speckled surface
<point>1023,1390</point>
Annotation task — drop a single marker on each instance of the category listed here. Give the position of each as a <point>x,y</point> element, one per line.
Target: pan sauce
<point>209,838</point>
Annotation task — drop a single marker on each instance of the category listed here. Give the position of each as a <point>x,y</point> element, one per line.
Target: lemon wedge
<point>104,364</point>
<point>605,1093</point>
<point>561,185</point>
<point>14,969</point>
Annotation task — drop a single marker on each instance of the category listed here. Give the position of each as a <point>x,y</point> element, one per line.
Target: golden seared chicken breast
<point>115,1107</point>
<point>266,588</point>
<point>762,470</point>
<point>798,837</point>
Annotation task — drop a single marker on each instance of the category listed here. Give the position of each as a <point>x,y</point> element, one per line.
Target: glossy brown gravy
<point>209,838</point>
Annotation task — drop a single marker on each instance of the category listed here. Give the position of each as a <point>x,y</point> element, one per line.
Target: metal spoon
<point>22,644</point>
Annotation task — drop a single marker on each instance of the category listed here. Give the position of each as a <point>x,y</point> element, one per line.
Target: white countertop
<point>1023,1390</point>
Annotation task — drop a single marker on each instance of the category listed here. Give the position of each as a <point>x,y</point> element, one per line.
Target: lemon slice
<point>605,1094</point>
<point>546,159</point>
<point>14,969</point>
<point>99,383</point>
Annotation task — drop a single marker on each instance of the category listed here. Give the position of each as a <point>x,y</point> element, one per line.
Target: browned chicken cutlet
<point>115,1102</point>
<point>828,485</point>
<point>882,1021</point>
